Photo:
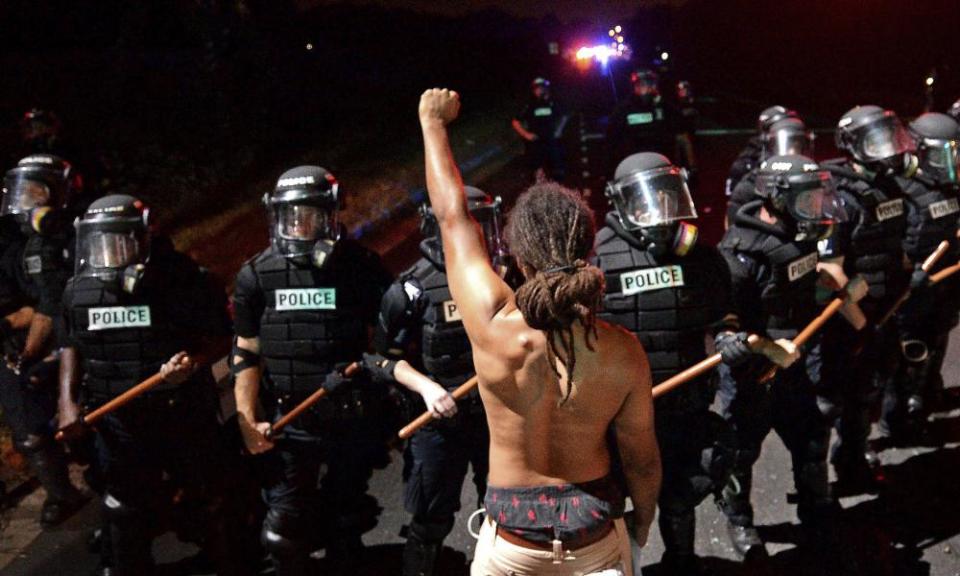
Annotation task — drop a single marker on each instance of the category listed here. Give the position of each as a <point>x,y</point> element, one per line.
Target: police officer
<point>927,318</point>
<point>752,154</point>
<point>771,250</point>
<point>787,136</point>
<point>670,291</point>
<point>418,316</point>
<point>870,244</point>
<point>34,194</point>
<point>541,124</point>
<point>647,122</point>
<point>136,307</point>
<point>954,111</point>
<point>303,308</point>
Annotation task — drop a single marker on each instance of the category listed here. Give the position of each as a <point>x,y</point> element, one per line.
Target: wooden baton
<point>302,407</point>
<point>695,370</point>
<point>423,419</point>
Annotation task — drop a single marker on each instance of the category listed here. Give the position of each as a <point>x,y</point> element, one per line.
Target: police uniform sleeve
<point>248,303</point>
<point>721,289</point>
<point>744,298</point>
<point>400,314</point>
<point>66,336</point>
<point>378,281</point>
<point>50,274</point>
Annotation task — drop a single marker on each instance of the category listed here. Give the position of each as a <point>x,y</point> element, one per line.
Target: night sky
<point>598,11</point>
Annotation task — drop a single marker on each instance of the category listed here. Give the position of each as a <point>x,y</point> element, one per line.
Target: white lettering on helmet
<point>36,160</point>
<point>810,167</point>
<point>296,181</point>
<point>781,166</point>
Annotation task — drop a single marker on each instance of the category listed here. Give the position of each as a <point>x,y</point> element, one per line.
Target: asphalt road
<point>910,528</point>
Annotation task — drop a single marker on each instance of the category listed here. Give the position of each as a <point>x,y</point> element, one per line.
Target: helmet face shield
<point>22,194</point>
<point>302,222</point>
<point>940,159</point>
<point>110,249</point>
<point>487,214</point>
<point>808,197</point>
<point>652,198</point>
<point>883,139</point>
<point>789,143</point>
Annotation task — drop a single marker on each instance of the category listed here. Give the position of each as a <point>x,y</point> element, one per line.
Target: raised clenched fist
<point>439,105</point>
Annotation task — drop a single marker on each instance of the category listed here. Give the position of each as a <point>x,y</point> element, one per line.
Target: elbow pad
<point>247,359</point>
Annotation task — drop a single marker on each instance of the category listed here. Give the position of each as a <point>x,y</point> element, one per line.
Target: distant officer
<point>785,137</point>
<point>771,249</point>
<point>136,307</point>
<point>752,154</point>
<point>418,319</point>
<point>646,122</point>
<point>303,309</point>
<point>671,291</point>
<point>541,124</point>
<point>37,265</point>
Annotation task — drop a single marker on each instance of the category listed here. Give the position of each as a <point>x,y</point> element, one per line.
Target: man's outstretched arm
<point>478,291</point>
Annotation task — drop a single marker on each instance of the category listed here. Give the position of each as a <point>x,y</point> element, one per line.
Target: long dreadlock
<point>551,231</point>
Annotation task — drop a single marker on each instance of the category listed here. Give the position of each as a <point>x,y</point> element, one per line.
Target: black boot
<point>344,553</point>
<point>419,558</point>
<point>679,533</point>
<point>746,542</point>
<point>63,500</point>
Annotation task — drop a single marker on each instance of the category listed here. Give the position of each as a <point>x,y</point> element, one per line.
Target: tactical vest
<point>445,349</point>
<point>313,321</point>
<point>787,279</point>
<point>667,303</point>
<point>932,218</point>
<point>876,250</point>
<point>122,338</point>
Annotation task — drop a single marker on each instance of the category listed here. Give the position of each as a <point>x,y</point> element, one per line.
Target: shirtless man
<point>553,379</point>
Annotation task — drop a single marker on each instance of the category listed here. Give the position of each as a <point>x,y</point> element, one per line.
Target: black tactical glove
<point>733,348</point>
<point>920,280</point>
<point>380,368</point>
<point>334,381</point>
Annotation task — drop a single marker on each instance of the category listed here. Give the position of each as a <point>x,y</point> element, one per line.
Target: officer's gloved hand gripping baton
<point>302,407</point>
<point>425,418</point>
<point>120,401</point>
<point>697,369</point>
<point>929,263</point>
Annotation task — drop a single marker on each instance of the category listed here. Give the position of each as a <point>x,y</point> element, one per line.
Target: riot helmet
<point>484,209</point>
<point>938,137</point>
<point>876,139</point>
<point>540,87</point>
<point>39,129</point>
<point>796,188</point>
<point>787,137</point>
<point>772,115</point>
<point>303,211</point>
<point>684,91</point>
<point>113,240</point>
<point>954,111</point>
<point>40,183</point>
<point>646,84</point>
<point>653,202</point>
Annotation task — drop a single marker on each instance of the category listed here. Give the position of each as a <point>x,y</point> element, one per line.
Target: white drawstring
<point>476,535</point>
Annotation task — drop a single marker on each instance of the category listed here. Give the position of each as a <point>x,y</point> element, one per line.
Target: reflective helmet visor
<point>302,222</point>
<point>883,139</point>
<point>813,198</point>
<point>652,198</point>
<point>109,250</point>
<point>789,143</point>
<point>22,194</point>
<point>940,160</point>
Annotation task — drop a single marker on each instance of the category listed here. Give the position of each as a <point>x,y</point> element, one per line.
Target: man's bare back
<point>544,431</point>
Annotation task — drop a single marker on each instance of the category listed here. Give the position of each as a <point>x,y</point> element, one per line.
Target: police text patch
<point>118,317</point>
<point>306,299</point>
<point>637,281</point>
<point>802,266</point>
<point>34,264</point>
<point>889,209</point>
<point>450,312</point>
<point>944,208</point>
<point>638,118</point>
<point>544,111</point>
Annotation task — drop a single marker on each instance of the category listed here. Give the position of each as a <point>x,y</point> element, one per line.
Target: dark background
<point>187,102</point>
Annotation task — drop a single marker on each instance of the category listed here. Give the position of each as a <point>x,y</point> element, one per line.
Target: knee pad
<point>430,531</point>
<point>278,536</point>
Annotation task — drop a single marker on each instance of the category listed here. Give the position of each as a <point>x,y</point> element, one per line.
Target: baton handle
<point>926,266</point>
<point>425,418</point>
<point>302,407</point>
<point>696,370</point>
<point>808,331</point>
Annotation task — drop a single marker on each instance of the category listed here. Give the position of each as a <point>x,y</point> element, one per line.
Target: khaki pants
<point>496,557</point>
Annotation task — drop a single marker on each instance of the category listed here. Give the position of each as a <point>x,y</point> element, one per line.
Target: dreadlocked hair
<point>551,231</point>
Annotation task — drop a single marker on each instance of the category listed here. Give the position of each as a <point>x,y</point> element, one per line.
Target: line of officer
<point>303,310</point>
<point>134,307</point>
<point>771,249</point>
<point>671,291</point>
<point>753,153</point>
<point>36,266</point>
<point>419,320</point>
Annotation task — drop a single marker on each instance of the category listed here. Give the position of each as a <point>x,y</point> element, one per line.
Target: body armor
<point>931,218</point>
